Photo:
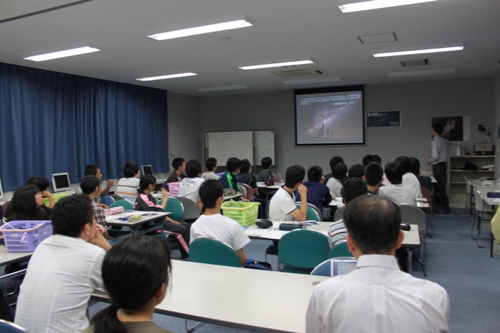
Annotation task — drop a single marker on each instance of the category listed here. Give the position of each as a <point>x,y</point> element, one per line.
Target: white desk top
<point>121,219</point>
<point>484,189</point>
<point>265,301</point>
<point>10,257</point>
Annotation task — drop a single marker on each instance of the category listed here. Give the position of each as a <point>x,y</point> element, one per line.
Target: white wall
<point>418,103</point>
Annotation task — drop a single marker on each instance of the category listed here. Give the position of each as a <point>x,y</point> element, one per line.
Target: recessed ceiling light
<point>165,77</point>
<point>310,81</point>
<point>423,73</point>
<point>278,64</point>
<point>436,50</point>
<point>201,30</point>
<point>376,4</point>
<point>63,54</point>
<point>226,88</point>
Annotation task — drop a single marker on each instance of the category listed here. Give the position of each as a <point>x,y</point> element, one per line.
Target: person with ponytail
<point>145,262</point>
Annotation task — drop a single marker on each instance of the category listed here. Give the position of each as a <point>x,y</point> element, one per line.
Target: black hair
<point>91,170</point>
<point>233,163</point>
<point>130,169</point>
<point>405,163</point>
<point>373,223</point>
<point>374,172</point>
<point>145,181</point>
<point>89,183</point>
<point>193,168</point>
<point>377,159</point>
<point>367,159</point>
<point>39,181</point>
<point>353,188</point>
<point>339,170</point>
<point>356,170</point>
<point>209,192</point>
<point>177,162</point>
<point>414,166</point>
<point>438,128</point>
<point>266,162</point>
<point>23,204</point>
<point>211,163</point>
<point>334,160</point>
<point>394,172</point>
<point>145,262</point>
<point>71,214</point>
<point>245,165</point>
<point>314,173</point>
<point>294,175</point>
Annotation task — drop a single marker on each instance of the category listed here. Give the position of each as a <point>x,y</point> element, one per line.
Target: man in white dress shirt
<point>376,297</point>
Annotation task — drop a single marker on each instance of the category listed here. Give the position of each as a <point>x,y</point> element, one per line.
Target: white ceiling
<point>283,30</point>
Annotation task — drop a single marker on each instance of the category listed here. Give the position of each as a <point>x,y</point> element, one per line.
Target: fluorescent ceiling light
<point>63,54</point>
<point>205,29</point>
<point>278,64</point>
<point>376,4</point>
<point>423,51</point>
<point>165,77</point>
<point>423,73</point>
<point>226,88</point>
<point>310,81</point>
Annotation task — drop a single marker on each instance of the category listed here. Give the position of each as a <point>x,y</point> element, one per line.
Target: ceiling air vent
<point>298,72</point>
<point>413,63</point>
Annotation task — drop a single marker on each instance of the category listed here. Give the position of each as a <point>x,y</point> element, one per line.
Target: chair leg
<point>491,245</point>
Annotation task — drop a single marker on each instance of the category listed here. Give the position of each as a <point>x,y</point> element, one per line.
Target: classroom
<point>218,96</point>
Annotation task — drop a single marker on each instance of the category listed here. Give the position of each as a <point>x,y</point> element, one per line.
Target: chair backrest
<point>176,208</point>
<point>122,203</point>
<point>317,210</point>
<point>107,199</point>
<point>478,201</point>
<point>191,209</point>
<point>117,197</point>
<point>339,250</point>
<point>339,213</point>
<point>325,268</point>
<point>243,190</point>
<point>277,180</point>
<point>312,214</point>
<point>9,327</point>
<point>467,185</point>
<point>413,215</point>
<point>249,191</point>
<point>427,194</point>
<point>209,251</point>
<point>303,249</point>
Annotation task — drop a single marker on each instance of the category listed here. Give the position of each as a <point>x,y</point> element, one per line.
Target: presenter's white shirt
<point>219,228</point>
<point>190,187</point>
<point>411,181</point>
<point>61,275</point>
<point>377,297</point>
<point>281,205</point>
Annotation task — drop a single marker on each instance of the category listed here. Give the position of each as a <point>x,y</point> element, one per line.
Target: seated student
<point>374,176</point>
<point>353,188</point>
<point>282,206</point>
<point>90,186</point>
<point>146,202</point>
<point>94,170</point>
<point>367,159</point>
<point>26,204</point>
<point>215,226</point>
<point>64,271</point>
<point>178,174</point>
<point>318,193</point>
<point>334,160</point>
<point>43,184</point>
<point>376,296</point>
<point>265,174</point>
<point>409,179</point>
<point>190,185</point>
<point>211,165</point>
<point>247,177</point>
<point>356,170</point>
<point>425,181</point>
<point>128,185</point>
<point>339,172</point>
<point>145,261</point>
<point>397,192</point>
<point>230,178</point>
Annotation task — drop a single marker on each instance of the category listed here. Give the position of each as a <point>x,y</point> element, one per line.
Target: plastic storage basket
<point>173,188</point>
<point>245,213</point>
<point>24,236</point>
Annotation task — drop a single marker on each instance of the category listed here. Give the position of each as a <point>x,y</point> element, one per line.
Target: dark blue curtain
<point>52,122</point>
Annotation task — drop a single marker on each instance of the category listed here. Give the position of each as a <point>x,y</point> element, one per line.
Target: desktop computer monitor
<point>147,169</point>
<point>60,182</point>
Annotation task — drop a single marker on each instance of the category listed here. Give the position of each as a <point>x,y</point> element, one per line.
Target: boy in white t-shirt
<point>282,206</point>
<point>190,185</point>
<point>215,226</point>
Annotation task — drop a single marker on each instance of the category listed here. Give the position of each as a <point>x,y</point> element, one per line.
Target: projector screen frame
<point>332,90</point>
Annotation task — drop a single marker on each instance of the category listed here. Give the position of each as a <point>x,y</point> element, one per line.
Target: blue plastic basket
<point>24,236</point>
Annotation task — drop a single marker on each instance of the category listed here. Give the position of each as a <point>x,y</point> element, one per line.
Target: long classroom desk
<point>264,301</point>
<point>484,189</point>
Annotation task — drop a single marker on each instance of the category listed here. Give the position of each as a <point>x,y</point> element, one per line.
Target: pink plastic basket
<point>173,188</point>
<point>24,236</point>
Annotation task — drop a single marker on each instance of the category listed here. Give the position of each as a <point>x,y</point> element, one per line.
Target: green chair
<point>340,250</point>
<point>209,251</point>
<point>302,250</point>
<point>176,208</point>
<point>312,214</point>
<point>122,203</point>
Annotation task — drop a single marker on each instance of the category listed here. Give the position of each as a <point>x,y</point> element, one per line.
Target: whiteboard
<point>223,145</point>
<point>263,145</point>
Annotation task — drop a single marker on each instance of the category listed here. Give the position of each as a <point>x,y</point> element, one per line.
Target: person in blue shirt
<point>318,193</point>
<point>230,178</point>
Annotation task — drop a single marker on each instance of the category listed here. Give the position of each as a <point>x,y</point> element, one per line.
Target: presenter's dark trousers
<point>439,171</point>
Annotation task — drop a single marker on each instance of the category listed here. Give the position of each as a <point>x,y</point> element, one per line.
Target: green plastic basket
<point>245,213</point>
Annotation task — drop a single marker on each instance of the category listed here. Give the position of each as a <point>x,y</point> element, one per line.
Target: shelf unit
<point>456,182</point>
